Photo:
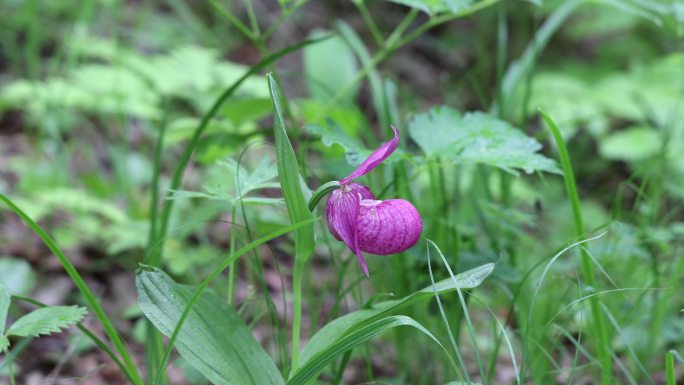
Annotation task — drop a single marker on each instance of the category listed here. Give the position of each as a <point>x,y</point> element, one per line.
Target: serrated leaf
<point>213,339</point>
<point>433,7</point>
<point>333,331</point>
<point>477,137</point>
<point>4,344</point>
<point>5,299</point>
<point>46,320</point>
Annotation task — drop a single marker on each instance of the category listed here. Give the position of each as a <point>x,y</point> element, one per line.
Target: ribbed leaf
<point>334,330</point>
<point>46,320</point>
<point>288,172</point>
<point>213,339</point>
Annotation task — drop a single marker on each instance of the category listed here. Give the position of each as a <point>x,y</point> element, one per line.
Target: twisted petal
<point>342,214</point>
<point>387,227</point>
<point>380,154</point>
<point>334,202</point>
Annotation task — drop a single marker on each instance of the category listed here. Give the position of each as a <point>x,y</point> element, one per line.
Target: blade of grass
<point>670,374</point>
<point>466,313</point>
<point>131,371</point>
<point>297,209</point>
<point>599,328</point>
<point>446,322</point>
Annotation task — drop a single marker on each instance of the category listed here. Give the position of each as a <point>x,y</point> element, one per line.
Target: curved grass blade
<point>313,367</point>
<point>337,328</point>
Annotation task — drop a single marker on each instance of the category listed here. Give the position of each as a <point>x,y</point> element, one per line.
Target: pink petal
<point>387,227</point>
<point>342,213</point>
<point>378,156</point>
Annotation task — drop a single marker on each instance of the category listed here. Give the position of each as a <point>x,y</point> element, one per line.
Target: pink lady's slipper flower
<point>368,225</point>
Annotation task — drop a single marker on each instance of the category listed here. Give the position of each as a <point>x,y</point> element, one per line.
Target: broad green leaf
<point>16,276</point>
<point>336,329</point>
<point>46,320</point>
<point>321,61</point>
<point>4,344</point>
<point>632,144</point>
<point>288,172</point>
<point>433,7</point>
<point>355,337</point>
<point>213,339</point>
<point>5,299</point>
<point>477,137</point>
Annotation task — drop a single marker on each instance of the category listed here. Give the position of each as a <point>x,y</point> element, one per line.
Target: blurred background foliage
<point>86,89</point>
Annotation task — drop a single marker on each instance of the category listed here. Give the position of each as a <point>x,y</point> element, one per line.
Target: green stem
<point>372,26</point>
<point>322,191</point>
<point>233,20</point>
<point>231,267</point>
<point>670,374</point>
<point>604,355</point>
<point>296,312</point>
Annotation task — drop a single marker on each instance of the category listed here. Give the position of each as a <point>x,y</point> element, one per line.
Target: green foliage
<point>332,332</point>
<point>5,299</point>
<point>332,56</point>
<point>332,134</point>
<point>16,276</point>
<point>348,341</point>
<point>46,320</point>
<point>477,138</point>
<point>433,7</point>
<point>290,180</point>
<point>214,340</point>
<point>244,183</point>
<point>632,144</point>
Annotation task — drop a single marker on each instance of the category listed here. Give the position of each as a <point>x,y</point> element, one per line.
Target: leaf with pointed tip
<point>309,371</point>
<point>336,329</point>
<point>46,320</point>
<point>213,339</point>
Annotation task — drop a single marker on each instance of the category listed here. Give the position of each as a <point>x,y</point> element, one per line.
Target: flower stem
<point>231,267</point>
<point>322,191</point>
<point>296,311</point>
